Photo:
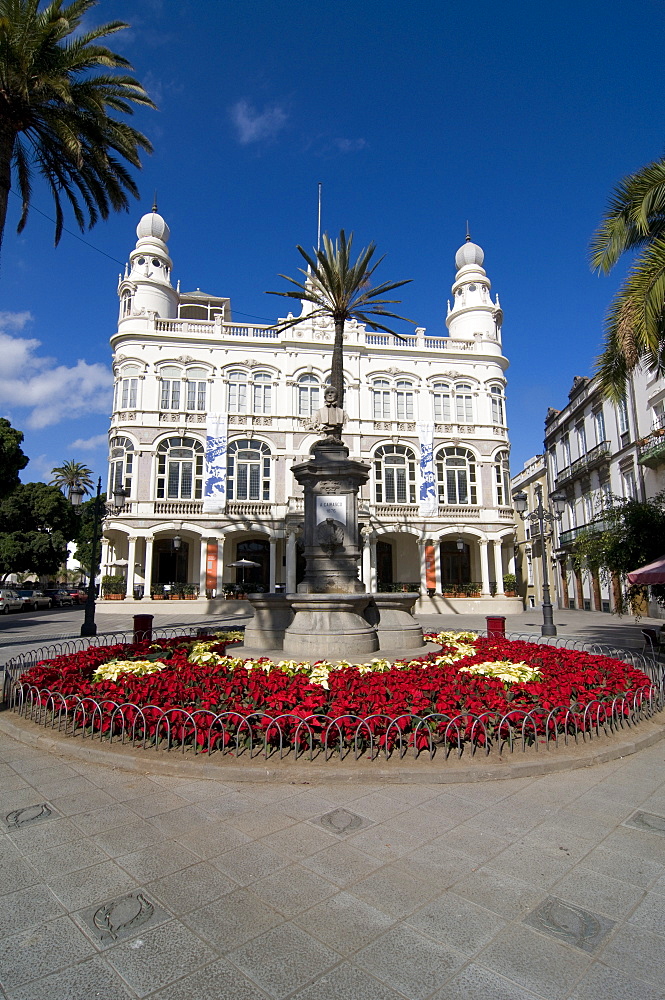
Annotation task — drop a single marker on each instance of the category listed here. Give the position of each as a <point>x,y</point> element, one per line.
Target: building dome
<point>153,225</point>
<point>469,253</point>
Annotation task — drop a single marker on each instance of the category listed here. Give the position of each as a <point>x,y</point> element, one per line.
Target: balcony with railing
<point>651,449</point>
<point>571,534</point>
<point>600,455</point>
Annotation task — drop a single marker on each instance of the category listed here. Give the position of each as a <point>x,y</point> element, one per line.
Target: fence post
<point>496,627</point>
<point>143,628</point>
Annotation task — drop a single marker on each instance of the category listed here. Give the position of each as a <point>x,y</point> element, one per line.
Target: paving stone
<point>127,839</point>
<point>17,874</point>
<point>342,864</point>
<point>154,803</point>
<point>232,920</point>
<point>535,962</point>
<point>249,863</point>
<point>27,815</point>
<point>589,889</point>
<point>36,952</point>
<point>71,805</point>
<point>106,818</point>
<point>649,822</point>
<point>261,822</point>
<point>344,922</point>
<point>211,839</point>
<point>120,918</point>
<point>68,857</point>
<point>457,922</point>
<point>472,840</point>
<point>342,822</point>
<point>90,885</point>
<point>188,890</point>
<point>409,962</point>
<point>283,959</point>
<point>218,981</point>
<point>27,908</point>
<point>509,897</point>
<point>158,957</point>
<point>571,924</point>
<point>92,978</point>
<point>535,866</point>
<point>476,983</point>
<point>179,822</point>
<point>300,840</point>
<point>636,870</point>
<point>292,890</point>
<point>650,914</point>
<point>43,836</point>
<point>394,891</point>
<point>158,860</point>
<point>602,983</point>
<point>347,982</point>
<point>637,953</point>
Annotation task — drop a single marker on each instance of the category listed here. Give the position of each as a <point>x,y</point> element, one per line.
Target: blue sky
<point>414,116</point>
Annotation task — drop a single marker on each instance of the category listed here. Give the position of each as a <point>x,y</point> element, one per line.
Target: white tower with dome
<point>145,289</point>
<point>473,315</point>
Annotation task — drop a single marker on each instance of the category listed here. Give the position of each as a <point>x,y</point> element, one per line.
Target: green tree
<point>36,522</point>
<point>85,523</point>
<point>626,535</point>
<point>12,459</point>
<point>57,105</point>
<point>70,474</point>
<point>635,324</point>
<point>342,290</point>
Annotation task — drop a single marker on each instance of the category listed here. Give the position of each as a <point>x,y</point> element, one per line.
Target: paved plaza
<point>121,883</point>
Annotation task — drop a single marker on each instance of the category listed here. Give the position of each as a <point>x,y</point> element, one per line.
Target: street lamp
<point>99,510</point>
<point>542,515</point>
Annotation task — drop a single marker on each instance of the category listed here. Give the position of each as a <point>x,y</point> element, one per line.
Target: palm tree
<point>635,325</point>
<point>342,290</point>
<point>72,474</point>
<point>56,112</point>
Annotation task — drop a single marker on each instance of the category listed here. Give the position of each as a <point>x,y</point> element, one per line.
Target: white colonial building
<point>182,366</point>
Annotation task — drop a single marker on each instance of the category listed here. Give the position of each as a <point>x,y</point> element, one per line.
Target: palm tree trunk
<point>337,367</point>
<point>6,150</point>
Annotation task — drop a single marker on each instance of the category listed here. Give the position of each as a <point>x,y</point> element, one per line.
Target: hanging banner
<point>430,566</point>
<point>214,490</point>
<point>428,501</point>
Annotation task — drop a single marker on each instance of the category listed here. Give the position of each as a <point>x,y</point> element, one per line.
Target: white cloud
<point>350,145</point>
<point>255,126</point>
<point>90,444</point>
<point>49,391</point>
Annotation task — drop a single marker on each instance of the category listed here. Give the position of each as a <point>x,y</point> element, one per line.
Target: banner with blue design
<point>214,489</point>
<point>427,495</point>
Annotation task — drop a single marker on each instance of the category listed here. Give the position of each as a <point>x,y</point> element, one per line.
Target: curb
<point>451,771</point>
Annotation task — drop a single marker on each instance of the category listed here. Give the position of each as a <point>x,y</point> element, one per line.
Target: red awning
<point>653,573</point>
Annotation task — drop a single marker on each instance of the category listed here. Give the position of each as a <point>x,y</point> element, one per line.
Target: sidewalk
<point>119,884</point>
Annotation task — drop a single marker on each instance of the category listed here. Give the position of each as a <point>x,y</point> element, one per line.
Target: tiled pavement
<point>118,884</point>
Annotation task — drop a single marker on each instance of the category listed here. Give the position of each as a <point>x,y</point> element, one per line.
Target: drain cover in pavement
<point>570,924</point>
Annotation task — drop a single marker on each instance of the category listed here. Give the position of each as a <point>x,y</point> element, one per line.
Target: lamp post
<point>541,515</point>
<point>99,510</point>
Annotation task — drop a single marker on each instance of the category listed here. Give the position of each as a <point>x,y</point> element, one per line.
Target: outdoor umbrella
<point>242,563</point>
<point>651,573</point>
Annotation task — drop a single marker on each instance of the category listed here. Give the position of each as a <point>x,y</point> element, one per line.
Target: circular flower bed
<point>476,691</point>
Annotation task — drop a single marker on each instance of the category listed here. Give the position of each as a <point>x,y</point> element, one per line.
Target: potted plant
<point>472,589</point>
<point>113,588</point>
<point>157,593</point>
<point>190,592</point>
<point>510,584</point>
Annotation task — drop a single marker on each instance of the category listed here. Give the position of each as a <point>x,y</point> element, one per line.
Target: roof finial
<point>154,202</point>
<point>318,233</point>
<point>468,234</point>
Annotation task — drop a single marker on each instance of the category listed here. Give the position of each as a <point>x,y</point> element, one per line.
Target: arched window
<point>456,476</point>
<point>196,388</point>
<point>502,479</point>
<point>126,304</point>
<point>441,399</point>
<point>248,470</point>
<point>171,386</point>
<point>463,403</point>
<point>262,395</point>
<point>180,469</point>
<point>121,462</point>
<point>126,388</point>
<point>394,474</point>
<point>381,399</point>
<point>309,395</point>
<point>496,396</point>
<point>404,400</point>
<point>237,397</point>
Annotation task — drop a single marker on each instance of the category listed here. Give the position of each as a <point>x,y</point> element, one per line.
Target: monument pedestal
<point>329,626</point>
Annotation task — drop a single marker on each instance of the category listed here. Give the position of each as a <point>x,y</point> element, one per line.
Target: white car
<point>10,601</point>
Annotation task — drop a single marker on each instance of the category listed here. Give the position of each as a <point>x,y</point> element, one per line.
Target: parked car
<point>35,599</point>
<point>79,594</point>
<point>59,596</point>
<point>10,601</point>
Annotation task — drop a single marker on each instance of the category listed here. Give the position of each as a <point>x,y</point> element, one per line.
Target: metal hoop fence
<point>258,734</point>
